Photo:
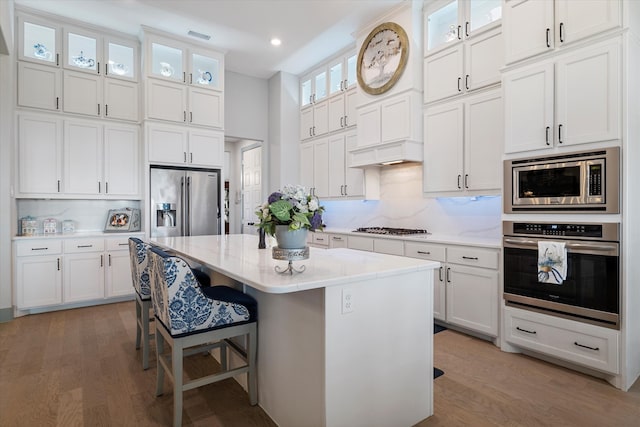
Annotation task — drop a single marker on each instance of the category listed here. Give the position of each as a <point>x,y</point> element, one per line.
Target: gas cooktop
<point>390,231</point>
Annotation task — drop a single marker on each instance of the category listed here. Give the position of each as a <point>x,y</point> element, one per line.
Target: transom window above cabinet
<point>451,21</point>
<point>39,40</point>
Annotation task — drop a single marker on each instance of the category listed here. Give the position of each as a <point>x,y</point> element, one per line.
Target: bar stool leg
<point>252,380</point>
<point>145,334</point>
<point>160,367</point>
<point>176,367</point>
<point>138,320</point>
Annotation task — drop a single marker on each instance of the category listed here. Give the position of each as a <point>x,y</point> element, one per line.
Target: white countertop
<point>482,241</point>
<point>238,257</point>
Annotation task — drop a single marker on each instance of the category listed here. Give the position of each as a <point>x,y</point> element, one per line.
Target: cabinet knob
<point>546,135</point>
<point>459,176</point>
<point>559,134</point>
<point>57,103</point>
<point>466,82</point>
<point>459,80</point>
<point>459,35</point>
<point>562,32</point>
<point>548,41</point>
<point>466,29</point>
<point>98,67</point>
<point>98,109</point>
<point>466,180</point>
<point>106,110</point>
<point>345,121</point>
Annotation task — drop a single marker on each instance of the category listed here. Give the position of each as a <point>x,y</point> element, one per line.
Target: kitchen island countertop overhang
<point>322,362</point>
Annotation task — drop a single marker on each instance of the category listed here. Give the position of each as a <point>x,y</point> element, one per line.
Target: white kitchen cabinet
<point>389,120</point>
<point>576,342</point>
<point>118,272</point>
<point>121,100</point>
<point>39,40</point>
<point>39,154</point>
<point>83,277</point>
<point>121,154</point>
<point>465,67</point>
<point>178,62</point>
<point>76,157</point>
<point>321,168</point>
<point>306,165</point>
<point>361,243</point>
<point>463,144</point>
<point>314,87</point>
<point>337,241</point>
<point>581,107</point>
<point>388,246</point>
<point>432,252</point>
<point>38,273</point>
<point>342,111</point>
<point>342,73</point>
<point>314,120</point>
<point>184,146</point>
<point>450,21</point>
<point>177,103</point>
<point>466,285</point>
<point>100,160</point>
<point>532,27</point>
<point>343,180</point>
<point>39,86</point>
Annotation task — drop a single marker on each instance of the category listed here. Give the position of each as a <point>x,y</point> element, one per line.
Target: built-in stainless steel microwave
<point>584,181</point>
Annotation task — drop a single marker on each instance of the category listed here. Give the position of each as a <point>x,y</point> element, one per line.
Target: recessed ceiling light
<point>199,35</point>
<point>276,41</point>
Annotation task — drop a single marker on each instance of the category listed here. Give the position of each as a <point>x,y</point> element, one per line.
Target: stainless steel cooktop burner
<point>390,231</point>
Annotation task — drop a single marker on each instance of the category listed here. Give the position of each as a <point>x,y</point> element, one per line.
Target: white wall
<point>284,132</point>
<point>246,102</point>
<point>7,96</point>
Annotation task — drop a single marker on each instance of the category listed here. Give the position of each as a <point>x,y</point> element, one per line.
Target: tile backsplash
<point>402,204</point>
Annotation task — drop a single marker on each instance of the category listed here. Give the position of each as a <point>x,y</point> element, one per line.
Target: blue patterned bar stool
<point>140,278</point>
<point>194,319</point>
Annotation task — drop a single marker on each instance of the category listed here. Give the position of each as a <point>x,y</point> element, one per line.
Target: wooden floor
<point>79,368</point>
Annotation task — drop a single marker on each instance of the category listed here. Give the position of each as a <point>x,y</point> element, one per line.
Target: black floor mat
<point>438,328</point>
<point>437,373</point>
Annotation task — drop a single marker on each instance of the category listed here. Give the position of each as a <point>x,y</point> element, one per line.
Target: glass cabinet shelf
<point>442,26</point>
<point>484,12</point>
<point>336,82</point>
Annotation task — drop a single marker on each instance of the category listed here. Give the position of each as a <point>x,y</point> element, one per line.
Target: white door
<point>83,158</point>
<point>118,274</point>
<point>120,100</point>
<point>529,28</point>
<point>121,165</point>
<point>82,93</point>
<point>443,74</point>
<point>83,277</point>
<point>251,188</point>
<point>38,281</point>
<point>443,148</point>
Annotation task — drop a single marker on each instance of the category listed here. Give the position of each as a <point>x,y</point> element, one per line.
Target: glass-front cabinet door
<point>167,62</point>
<point>305,92</point>
<point>442,26</point>
<point>320,85</point>
<point>38,40</point>
<point>82,51</point>
<point>121,59</point>
<point>481,13</point>
<point>342,73</point>
<point>205,70</point>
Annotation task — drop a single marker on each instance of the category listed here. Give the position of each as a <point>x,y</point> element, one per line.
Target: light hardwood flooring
<point>79,368</point>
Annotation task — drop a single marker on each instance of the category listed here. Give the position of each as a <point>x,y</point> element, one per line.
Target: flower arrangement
<point>294,206</point>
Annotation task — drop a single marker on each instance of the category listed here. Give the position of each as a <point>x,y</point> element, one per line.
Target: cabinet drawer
<point>118,244</point>
<point>38,247</point>
<point>477,257</point>
<point>360,243</point>
<point>74,246</point>
<point>424,251</point>
<point>391,247</point>
<point>576,342</point>
<point>337,241</point>
<point>320,239</point>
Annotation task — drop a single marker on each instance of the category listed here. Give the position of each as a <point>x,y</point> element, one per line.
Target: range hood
<point>386,154</point>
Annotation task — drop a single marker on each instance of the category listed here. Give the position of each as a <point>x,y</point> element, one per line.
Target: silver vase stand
<point>290,255</point>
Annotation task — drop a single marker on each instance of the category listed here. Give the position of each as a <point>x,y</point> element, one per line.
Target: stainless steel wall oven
<point>591,291</point>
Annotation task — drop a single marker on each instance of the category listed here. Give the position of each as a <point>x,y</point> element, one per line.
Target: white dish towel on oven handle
<point>552,262</point>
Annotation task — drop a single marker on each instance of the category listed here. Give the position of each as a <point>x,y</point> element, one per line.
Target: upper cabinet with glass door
<point>100,54</point>
<point>451,21</point>
<point>39,40</point>
<point>342,73</point>
<point>314,87</point>
<point>180,63</point>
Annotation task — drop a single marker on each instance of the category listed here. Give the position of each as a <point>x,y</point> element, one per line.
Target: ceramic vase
<point>291,239</point>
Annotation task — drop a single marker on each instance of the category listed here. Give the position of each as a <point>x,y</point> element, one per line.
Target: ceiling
<point>310,30</point>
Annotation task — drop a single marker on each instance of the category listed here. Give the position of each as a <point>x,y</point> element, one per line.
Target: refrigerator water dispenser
<point>165,215</point>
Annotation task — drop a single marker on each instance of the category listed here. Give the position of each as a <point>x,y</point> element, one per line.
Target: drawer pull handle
<point>475,258</point>
<point>85,246</point>
<point>586,346</point>
<point>448,273</point>
<point>337,238</point>
<point>424,253</point>
<point>524,330</point>
<point>123,244</point>
<point>320,239</point>
<point>440,274</point>
<point>39,249</point>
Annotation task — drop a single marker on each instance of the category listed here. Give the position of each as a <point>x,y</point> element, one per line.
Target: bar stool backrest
<point>139,267</point>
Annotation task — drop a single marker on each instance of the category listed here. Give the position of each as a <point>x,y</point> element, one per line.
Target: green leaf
<point>301,218</point>
<point>280,209</point>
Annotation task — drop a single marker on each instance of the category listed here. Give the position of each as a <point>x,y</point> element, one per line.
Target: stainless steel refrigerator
<point>184,202</point>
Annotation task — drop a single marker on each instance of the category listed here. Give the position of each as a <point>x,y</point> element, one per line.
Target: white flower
<point>313,205</point>
<point>301,208</point>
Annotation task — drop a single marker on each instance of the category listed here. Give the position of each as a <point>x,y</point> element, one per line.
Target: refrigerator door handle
<point>187,215</point>
<point>183,222</point>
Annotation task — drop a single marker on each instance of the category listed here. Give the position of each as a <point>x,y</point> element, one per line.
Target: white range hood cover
<point>386,153</point>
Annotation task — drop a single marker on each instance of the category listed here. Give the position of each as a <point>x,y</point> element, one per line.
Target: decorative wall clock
<point>382,58</point>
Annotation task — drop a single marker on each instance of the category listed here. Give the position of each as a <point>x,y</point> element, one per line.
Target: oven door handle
<point>585,247</point>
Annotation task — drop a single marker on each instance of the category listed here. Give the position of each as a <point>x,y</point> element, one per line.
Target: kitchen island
<point>348,342</point>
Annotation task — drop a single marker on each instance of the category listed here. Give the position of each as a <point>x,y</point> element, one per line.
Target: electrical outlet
<point>347,300</point>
